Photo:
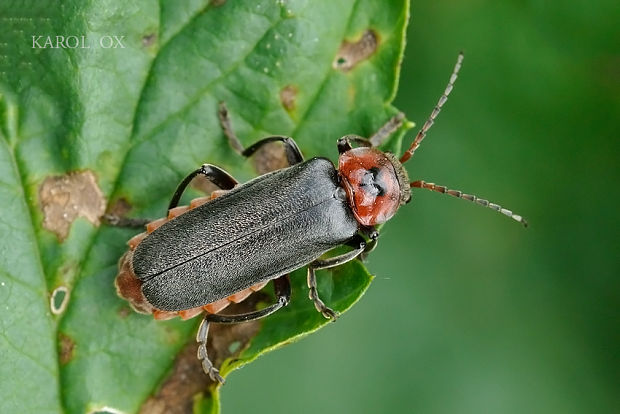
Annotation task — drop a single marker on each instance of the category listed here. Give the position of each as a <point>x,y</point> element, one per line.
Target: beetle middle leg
<point>293,153</point>
<point>359,245</point>
<point>282,288</point>
<point>215,174</point>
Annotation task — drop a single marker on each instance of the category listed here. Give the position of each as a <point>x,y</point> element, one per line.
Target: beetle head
<point>375,182</point>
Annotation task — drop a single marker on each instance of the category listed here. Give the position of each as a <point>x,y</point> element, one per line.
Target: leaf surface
<point>138,118</point>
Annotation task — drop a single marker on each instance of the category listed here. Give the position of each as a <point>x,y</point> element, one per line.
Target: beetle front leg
<point>344,143</point>
<point>373,235</point>
<point>387,129</point>
<point>359,245</point>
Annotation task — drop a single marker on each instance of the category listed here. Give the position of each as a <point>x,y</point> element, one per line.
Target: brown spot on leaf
<point>149,39</point>
<point>68,270</point>
<point>67,197</point>
<point>120,207</point>
<point>187,379</point>
<point>123,312</point>
<point>351,53</point>
<point>176,395</point>
<point>66,348</point>
<point>270,157</point>
<point>287,96</point>
<point>217,3</point>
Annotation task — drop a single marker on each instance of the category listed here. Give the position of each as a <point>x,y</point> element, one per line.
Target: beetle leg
<point>282,287</point>
<point>373,234</point>
<point>372,245</point>
<point>222,114</point>
<point>344,143</point>
<point>358,243</point>
<point>207,365</point>
<point>215,174</point>
<point>313,294</point>
<point>293,154</point>
<point>387,129</point>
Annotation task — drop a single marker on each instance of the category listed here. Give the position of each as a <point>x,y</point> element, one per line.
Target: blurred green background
<point>469,312</point>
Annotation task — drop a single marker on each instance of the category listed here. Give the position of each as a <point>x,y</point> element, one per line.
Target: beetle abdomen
<point>258,231</point>
<point>129,287</point>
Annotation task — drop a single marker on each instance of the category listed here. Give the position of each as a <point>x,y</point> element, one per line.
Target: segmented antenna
<point>458,194</point>
<point>429,123</point>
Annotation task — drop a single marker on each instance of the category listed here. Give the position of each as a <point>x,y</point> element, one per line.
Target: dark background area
<point>470,312</point>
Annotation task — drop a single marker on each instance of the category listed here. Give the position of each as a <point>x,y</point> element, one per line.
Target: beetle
<point>221,248</point>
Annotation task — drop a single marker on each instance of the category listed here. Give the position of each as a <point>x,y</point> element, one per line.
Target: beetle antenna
<point>458,194</point>
<point>429,123</point>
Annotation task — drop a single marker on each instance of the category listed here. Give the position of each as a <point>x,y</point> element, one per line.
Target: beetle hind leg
<point>282,287</point>
<point>205,362</point>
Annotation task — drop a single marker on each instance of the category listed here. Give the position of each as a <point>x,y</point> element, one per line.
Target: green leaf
<point>82,127</point>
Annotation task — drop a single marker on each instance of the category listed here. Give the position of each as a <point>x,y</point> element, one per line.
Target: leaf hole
<point>59,300</point>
